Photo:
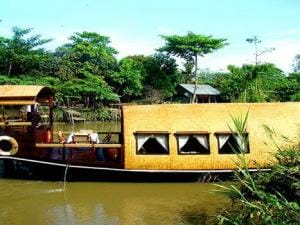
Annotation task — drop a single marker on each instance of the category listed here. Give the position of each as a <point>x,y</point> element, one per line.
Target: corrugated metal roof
<point>22,91</point>
<point>202,89</point>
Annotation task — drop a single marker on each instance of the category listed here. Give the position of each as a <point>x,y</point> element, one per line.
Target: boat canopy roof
<point>24,94</point>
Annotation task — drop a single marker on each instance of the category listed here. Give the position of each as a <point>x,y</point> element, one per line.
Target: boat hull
<point>18,168</point>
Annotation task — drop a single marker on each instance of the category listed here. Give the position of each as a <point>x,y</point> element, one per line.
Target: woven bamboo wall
<point>284,118</point>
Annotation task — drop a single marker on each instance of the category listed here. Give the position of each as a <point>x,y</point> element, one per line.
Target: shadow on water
<point>194,217</point>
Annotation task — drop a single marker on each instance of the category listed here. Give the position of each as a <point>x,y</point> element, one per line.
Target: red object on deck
<point>47,136</point>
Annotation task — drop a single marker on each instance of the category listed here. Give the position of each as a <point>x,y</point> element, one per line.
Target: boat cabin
<point>26,113</point>
<point>26,131</point>
<point>166,138</point>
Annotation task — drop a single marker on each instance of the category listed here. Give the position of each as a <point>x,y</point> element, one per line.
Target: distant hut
<point>204,93</point>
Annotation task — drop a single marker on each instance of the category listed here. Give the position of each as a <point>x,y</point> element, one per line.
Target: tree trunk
<point>256,63</point>
<point>245,92</point>
<point>9,69</point>
<point>195,77</point>
<point>87,101</point>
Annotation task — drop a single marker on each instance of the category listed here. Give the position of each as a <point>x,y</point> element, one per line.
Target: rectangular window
<point>193,142</point>
<point>232,143</point>
<point>152,143</point>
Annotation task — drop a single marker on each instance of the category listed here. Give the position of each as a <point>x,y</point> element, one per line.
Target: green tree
<point>289,88</point>
<point>240,83</point>
<point>90,61</point>
<point>187,72</point>
<point>128,79</point>
<point>243,76</point>
<point>87,51</point>
<point>160,75</point>
<point>23,55</point>
<point>190,47</point>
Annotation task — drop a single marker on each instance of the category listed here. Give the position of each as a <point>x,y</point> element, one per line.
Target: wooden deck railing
<point>77,145</point>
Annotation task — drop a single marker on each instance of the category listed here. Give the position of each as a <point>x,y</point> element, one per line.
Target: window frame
<point>217,134</point>
<point>191,134</point>
<point>152,133</point>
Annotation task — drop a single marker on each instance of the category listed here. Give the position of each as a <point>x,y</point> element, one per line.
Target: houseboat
<point>156,142</point>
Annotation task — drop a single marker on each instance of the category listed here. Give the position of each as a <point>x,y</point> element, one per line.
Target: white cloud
<point>5,31</point>
<point>123,43</point>
<point>282,33</point>
<point>285,51</point>
<point>282,56</point>
<point>166,30</point>
<point>133,46</point>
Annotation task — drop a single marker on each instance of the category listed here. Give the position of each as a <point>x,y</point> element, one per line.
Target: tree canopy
<point>241,82</point>
<point>86,69</point>
<point>190,46</point>
<point>21,54</point>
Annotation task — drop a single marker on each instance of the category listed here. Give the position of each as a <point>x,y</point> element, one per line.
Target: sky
<point>135,26</point>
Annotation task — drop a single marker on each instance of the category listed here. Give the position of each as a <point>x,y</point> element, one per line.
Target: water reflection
<point>24,202</point>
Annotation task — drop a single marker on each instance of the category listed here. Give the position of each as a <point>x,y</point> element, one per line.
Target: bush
<point>103,114</point>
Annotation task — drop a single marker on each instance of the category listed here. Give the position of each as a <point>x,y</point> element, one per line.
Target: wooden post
<point>51,104</point>
<point>195,87</point>
<point>32,115</point>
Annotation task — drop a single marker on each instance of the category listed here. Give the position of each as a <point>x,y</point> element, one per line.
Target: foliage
<point>159,75</point>
<point>86,70</point>
<point>229,85</point>
<point>85,64</point>
<point>187,72</point>
<point>267,197</point>
<point>191,45</point>
<point>99,114</point>
<point>88,51</point>
<point>22,55</point>
<point>244,76</point>
<point>250,83</point>
<point>128,80</point>
<point>103,114</point>
<point>30,80</point>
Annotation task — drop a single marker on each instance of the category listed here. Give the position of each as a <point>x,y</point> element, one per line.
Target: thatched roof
<point>23,94</point>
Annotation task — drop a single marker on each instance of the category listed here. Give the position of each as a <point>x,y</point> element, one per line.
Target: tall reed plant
<point>264,198</point>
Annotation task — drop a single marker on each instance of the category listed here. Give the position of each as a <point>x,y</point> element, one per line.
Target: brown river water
<point>49,203</point>
<point>87,203</point>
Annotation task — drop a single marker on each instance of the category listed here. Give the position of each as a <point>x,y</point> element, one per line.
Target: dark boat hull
<point>18,168</point>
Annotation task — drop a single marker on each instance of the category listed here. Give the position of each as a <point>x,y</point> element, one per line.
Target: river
<point>87,203</point>
<point>47,203</point>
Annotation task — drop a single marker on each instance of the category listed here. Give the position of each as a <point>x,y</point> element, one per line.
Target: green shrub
<point>104,114</point>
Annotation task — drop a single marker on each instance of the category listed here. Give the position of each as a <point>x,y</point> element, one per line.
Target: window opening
<point>152,143</point>
<point>233,143</point>
<point>193,144</point>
